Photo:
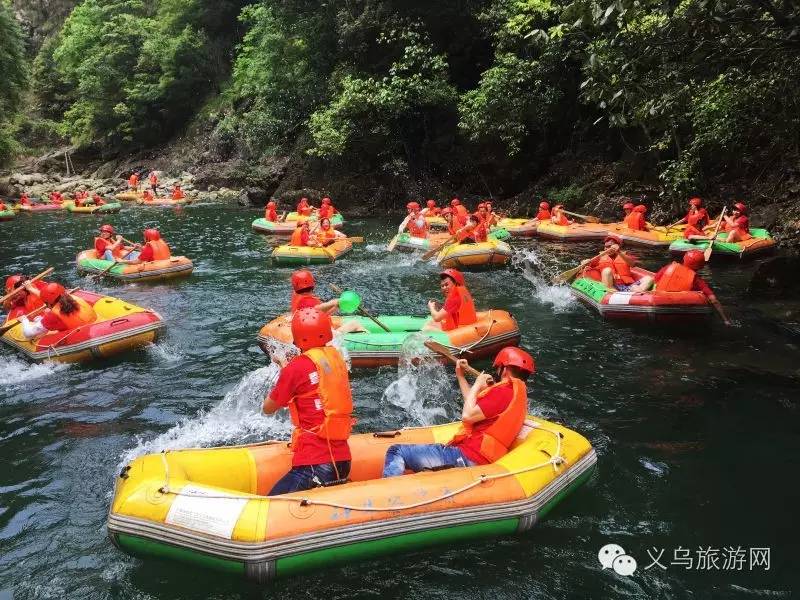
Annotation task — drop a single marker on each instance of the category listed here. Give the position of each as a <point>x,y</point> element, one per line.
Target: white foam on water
<point>165,352</point>
<point>539,274</point>
<point>422,388</point>
<point>376,248</point>
<point>236,419</point>
<point>14,371</point>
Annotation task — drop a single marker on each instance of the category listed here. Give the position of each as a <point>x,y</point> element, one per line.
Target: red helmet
<point>151,235</point>
<point>107,229</point>
<point>311,328</point>
<point>453,274</point>
<point>326,200</point>
<point>615,239</point>
<point>544,205</point>
<point>694,259</point>
<point>303,200</point>
<point>455,202</point>
<point>445,212</point>
<point>696,201</point>
<point>431,203</point>
<point>412,206</point>
<point>627,206</point>
<point>302,280</point>
<point>271,204</point>
<point>640,208</point>
<point>515,357</point>
<point>51,292</point>
<point>12,281</point>
<point>741,207</point>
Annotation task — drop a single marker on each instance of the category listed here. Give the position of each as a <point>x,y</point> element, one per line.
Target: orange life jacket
<point>466,312</point>
<point>271,215</point>
<point>497,439</point>
<point>153,179</point>
<point>178,195</point>
<point>543,215</point>
<point>452,226</point>
<point>304,210</point>
<point>333,391</point>
<point>296,298</point>
<point>160,248</point>
<point>634,221</point>
<point>326,235</point>
<point>115,253</point>
<point>433,212</point>
<point>84,315</point>
<point>677,278</point>
<point>418,227</point>
<point>561,219</point>
<point>297,237</point>
<point>325,211</point>
<point>620,269</point>
<point>133,180</point>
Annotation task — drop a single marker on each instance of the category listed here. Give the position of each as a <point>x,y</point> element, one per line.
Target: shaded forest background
<point>384,99</point>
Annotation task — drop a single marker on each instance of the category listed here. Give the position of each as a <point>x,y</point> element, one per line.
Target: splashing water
<point>422,388</point>
<point>237,418</point>
<point>539,274</point>
<point>15,372</point>
<point>165,352</point>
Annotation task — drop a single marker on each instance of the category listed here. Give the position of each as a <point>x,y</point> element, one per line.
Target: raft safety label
<point>199,512</point>
<point>620,298</point>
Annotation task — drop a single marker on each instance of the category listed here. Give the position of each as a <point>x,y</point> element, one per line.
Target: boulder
<point>253,196</point>
<point>776,277</point>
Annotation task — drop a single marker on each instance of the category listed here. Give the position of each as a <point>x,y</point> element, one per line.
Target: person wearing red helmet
<point>460,212</point>
<point>450,219</point>
<point>696,219</point>
<point>683,277</point>
<point>133,181</point>
<point>474,232</point>
<point>24,200</point>
<point>559,217</point>
<point>326,210</point>
<point>177,192</point>
<point>613,269</point>
<point>315,387</point>
<point>22,302</point>
<point>304,209</point>
<point>108,249</point>
<point>154,248</point>
<point>458,309</point>
<point>271,212</point>
<point>737,225</point>
<point>491,418</point>
<point>415,222</point>
<point>635,220</point>
<point>153,177</point>
<point>542,215</point>
<point>147,196</point>
<point>301,234</point>
<point>431,210</point>
<point>325,234</point>
<point>66,311</point>
<point>97,200</point>
<point>627,208</point>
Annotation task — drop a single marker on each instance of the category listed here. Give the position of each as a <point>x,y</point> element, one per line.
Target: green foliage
<point>571,195</point>
<point>13,74</point>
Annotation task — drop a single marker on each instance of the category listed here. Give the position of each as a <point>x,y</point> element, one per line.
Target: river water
<point>695,429</point>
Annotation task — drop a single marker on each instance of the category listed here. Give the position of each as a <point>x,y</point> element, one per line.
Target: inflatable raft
<point>39,207</point>
<point>7,215</point>
<point>287,226</point>
<point>436,222</point>
<point>656,236</point>
<point>104,209</point>
<point>129,196</point>
<point>337,220</point>
<point>653,306</point>
<point>310,255</point>
<point>208,506</point>
<point>163,202</point>
<point>494,330</point>
<point>518,227</point>
<point>155,270</point>
<point>577,232</point>
<point>760,243</point>
<point>119,327</point>
<point>407,243</point>
<point>473,257</point>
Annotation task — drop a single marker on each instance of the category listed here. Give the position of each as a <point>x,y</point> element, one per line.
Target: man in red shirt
<point>491,418</point>
<point>107,249</point>
<point>315,387</point>
<point>677,277</point>
<point>458,309</point>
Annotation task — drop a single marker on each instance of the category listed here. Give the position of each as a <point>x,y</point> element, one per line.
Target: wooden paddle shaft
<point>44,273</point>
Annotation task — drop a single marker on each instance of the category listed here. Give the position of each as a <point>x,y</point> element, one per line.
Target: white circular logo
<point>624,565</point>
<point>608,553</point>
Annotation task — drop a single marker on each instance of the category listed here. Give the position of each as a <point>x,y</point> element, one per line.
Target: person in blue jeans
<point>491,419</point>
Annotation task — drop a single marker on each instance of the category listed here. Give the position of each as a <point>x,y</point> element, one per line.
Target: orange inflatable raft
<point>154,270</point>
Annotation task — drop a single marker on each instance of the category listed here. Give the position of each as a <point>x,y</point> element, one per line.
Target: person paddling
<point>696,219</point>
<point>301,234</point>
<point>613,268</point>
<point>415,222</point>
<point>66,311</point>
<point>325,234</point>
<point>542,215</point>
<point>458,309</point>
<point>431,210</point>
<point>22,302</point>
<point>492,416</point>
<point>683,277</point>
<point>113,250</point>
<point>315,387</point>
<point>558,217</point>
<point>154,248</point>
<point>271,212</point>
<point>636,220</point>
<point>474,232</point>
<point>304,209</point>
<point>326,210</point>
<point>737,225</point>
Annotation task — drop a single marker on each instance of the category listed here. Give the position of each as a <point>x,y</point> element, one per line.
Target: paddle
<point>435,250</point>
<point>281,216</point>
<point>710,249</point>
<point>360,310</point>
<point>44,273</point>
<point>444,351</point>
<point>35,311</point>
<point>358,239</point>
<point>587,218</point>
<point>392,243</point>
<point>568,276</point>
<point>100,274</point>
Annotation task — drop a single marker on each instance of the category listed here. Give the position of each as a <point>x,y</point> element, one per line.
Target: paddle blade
<point>566,276</point>
<point>709,250</point>
<point>392,244</point>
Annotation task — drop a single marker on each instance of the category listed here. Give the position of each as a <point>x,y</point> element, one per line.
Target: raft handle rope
<point>468,348</point>
<point>556,460</point>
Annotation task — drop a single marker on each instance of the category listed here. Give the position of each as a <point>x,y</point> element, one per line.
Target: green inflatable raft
<point>760,242</point>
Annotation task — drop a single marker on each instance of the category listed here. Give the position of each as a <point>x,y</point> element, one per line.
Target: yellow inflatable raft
<point>311,255</point>
<point>473,257</point>
<point>208,506</point>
